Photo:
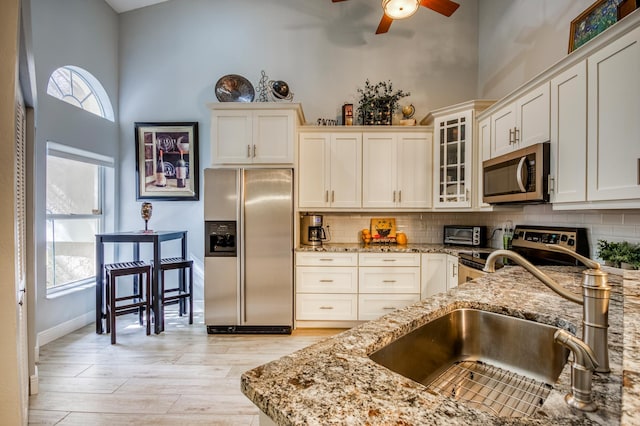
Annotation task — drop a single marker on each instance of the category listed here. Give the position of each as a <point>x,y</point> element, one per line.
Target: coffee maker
<point>311,230</point>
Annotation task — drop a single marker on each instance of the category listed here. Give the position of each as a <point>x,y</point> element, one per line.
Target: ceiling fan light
<point>400,9</point>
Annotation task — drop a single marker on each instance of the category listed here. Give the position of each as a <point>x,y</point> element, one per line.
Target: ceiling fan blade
<point>385,24</point>
<point>445,7</point>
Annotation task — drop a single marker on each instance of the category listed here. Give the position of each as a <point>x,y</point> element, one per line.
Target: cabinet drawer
<point>389,259</point>
<point>316,279</point>
<point>389,280</point>
<point>326,259</point>
<point>327,307</point>
<point>372,306</point>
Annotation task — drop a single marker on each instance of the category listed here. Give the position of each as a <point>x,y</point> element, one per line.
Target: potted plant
<point>378,102</point>
<point>619,254</point>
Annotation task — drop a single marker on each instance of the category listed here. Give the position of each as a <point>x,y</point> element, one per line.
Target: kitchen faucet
<point>595,302</point>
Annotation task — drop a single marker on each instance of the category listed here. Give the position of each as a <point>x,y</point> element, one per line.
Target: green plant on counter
<point>617,253</point>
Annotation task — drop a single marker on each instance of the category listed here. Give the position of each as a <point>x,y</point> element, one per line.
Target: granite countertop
<point>334,381</point>
<point>390,248</point>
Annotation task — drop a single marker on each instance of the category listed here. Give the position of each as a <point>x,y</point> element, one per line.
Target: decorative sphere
<point>280,89</point>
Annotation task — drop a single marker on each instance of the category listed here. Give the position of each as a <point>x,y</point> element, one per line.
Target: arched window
<point>80,88</point>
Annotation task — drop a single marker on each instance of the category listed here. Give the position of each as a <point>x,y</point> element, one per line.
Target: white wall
<point>518,39</point>
<point>82,33</point>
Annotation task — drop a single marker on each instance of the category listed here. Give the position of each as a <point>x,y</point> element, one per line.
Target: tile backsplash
<point>426,228</point>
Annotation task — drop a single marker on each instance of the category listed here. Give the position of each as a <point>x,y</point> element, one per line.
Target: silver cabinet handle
<point>326,196</point>
<point>389,281</point>
<point>254,151</point>
<point>511,136</point>
<point>394,196</point>
<point>400,196</point>
<point>388,260</point>
<point>333,196</point>
<point>638,171</point>
<point>326,260</point>
<point>516,135</point>
<point>551,184</point>
<point>326,281</point>
<point>326,307</point>
<point>389,308</point>
<point>455,270</point>
<point>248,151</point>
<point>519,176</point>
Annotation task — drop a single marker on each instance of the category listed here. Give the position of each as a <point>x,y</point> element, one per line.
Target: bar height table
<point>136,237</point>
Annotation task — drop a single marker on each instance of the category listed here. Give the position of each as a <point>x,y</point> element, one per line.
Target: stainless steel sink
<point>500,364</point>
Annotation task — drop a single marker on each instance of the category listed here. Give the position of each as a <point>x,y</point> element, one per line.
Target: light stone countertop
<point>389,248</point>
<point>334,381</point>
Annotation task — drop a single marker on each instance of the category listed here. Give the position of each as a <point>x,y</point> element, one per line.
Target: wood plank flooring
<point>180,377</point>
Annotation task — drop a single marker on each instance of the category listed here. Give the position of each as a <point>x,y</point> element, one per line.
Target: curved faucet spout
<point>490,266</point>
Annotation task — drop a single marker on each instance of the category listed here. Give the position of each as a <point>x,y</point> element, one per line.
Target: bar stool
<point>181,293</point>
<point>139,298</point>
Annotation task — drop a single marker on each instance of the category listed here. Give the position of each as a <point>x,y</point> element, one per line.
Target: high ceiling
<point>121,6</point>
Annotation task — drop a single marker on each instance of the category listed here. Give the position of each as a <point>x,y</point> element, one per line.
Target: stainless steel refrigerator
<point>248,250</point>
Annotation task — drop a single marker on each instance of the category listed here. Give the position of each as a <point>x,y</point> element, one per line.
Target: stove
<point>530,242</point>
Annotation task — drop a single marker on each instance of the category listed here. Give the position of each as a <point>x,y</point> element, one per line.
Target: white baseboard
<point>65,328</point>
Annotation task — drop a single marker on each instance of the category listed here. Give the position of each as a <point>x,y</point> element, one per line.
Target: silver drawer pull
<point>389,281</point>
<point>326,281</point>
<point>389,308</point>
<point>326,260</point>
<point>326,307</point>
<point>389,260</point>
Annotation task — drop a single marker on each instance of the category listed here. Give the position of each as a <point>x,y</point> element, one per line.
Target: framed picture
<point>383,229</point>
<point>167,161</point>
<point>598,17</point>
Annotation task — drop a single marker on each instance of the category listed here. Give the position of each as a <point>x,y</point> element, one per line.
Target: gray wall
<point>518,39</point>
<point>82,33</point>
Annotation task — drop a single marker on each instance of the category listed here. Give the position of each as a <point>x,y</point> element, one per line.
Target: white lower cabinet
<point>326,286</point>
<point>386,282</point>
<point>439,273</point>
<point>372,306</point>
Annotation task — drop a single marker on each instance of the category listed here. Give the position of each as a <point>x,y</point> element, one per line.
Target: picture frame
<point>595,19</point>
<point>167,161</point>
<point>383,229</point>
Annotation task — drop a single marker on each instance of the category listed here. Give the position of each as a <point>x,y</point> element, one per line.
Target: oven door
<point>467,273</point>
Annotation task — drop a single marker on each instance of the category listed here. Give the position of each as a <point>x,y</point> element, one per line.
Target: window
<point>80,88</point>
<point>75,213</point>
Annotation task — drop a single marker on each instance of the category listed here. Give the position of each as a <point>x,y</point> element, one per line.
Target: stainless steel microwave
<point>520,176</point>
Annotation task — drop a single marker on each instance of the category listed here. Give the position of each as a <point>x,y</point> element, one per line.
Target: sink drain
<point>492,389</point>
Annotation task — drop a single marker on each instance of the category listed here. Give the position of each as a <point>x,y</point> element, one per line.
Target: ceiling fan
<point>400,9</point>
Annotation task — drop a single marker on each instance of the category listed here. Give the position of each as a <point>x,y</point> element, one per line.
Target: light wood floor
<point>180,377</point>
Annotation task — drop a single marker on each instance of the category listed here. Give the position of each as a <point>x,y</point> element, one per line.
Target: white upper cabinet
<point>568,166</point>
<point>614,120</point>
<point>330,170</point>
<point>482,153</point>
<point>396,170</point>
<point>522,122</point>
<point>254,133</point>
<point>452,160</point>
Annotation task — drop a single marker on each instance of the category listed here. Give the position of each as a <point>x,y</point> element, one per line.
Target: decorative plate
<point>234,88</point>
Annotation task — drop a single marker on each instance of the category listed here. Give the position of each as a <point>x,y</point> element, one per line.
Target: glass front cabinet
<point>453,154</point>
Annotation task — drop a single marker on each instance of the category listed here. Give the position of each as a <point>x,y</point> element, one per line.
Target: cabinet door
<point>533,117</point>
<point>614,120</point>
<point>414,170</point>
<point>345,171</point>
<point>452,155</point>
<point>434,274</point>
<point>231,137</point>
<point>379,170</point>
<point>569,135</point>
<point>452,271</point>
<point>273,137</point>
<point>313,170</point>
<point>503,123</point>
<point>483,152</point>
